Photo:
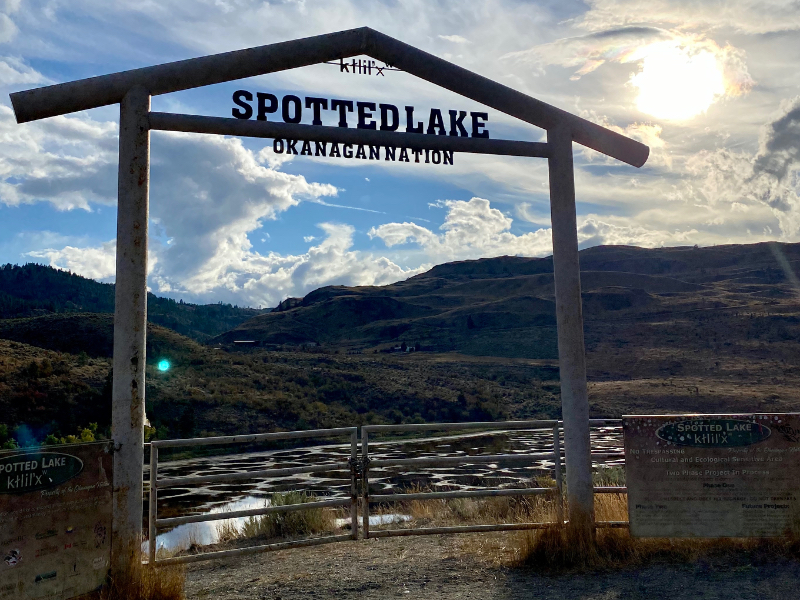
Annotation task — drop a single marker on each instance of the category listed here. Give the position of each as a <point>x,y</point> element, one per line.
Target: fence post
<point>152,505</point>
<point>354,483</point>
<point>557,473</point>
<point>569,321</point>
<point>130,329</point>
<point>365,481</point>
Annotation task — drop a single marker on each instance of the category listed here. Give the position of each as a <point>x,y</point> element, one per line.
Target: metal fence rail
<point>154,523</point>
<point>555,455</point>
<point>359,469</point>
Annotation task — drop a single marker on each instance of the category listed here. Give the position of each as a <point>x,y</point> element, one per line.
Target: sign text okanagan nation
<point>361,115</point>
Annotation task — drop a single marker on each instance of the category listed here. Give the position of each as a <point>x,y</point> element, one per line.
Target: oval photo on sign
<point>714,433</point>
<point>22,473</point>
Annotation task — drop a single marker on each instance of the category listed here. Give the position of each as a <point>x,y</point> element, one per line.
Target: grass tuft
<point>557,549</point>
<point>140,582</point>
<point>290,524</point>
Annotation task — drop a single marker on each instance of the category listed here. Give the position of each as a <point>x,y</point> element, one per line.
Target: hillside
<point>679,329</point>
<point>506,307</point>
<point>35,290</point>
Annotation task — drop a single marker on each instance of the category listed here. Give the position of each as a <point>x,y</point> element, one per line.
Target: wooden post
<point>130,328</point>
<point>569,319</point>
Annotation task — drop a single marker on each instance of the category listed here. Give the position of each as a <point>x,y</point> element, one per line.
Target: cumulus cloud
<point>249,278</point>
<point>595,231</point>
<point>67,161</point>
<point>739,179</point>
<point>14,71</point>
<point>94,262</point>
<point>471,229</point>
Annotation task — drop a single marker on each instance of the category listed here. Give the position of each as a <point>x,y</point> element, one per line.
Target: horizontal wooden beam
<point>503,98</point>
<point>84,94</point>
<point>319,133</point>
<point>218,68</point>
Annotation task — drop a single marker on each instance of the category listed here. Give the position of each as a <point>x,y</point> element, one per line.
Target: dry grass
<point>290,524</point>
<point>559,549</point>
<point>141,582</point>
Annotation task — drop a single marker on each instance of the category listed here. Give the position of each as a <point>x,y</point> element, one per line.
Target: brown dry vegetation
<point>140,582</point>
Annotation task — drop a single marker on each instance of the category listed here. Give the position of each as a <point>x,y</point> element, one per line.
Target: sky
<point>711,87</point>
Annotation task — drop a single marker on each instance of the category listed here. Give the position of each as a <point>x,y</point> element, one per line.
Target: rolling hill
<point>506,307</point>
<point>34,290</point>
<point>669,329</point>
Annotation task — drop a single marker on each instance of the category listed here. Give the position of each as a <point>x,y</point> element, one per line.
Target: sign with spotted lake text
<point>55,521</point>
<point>712,475</point>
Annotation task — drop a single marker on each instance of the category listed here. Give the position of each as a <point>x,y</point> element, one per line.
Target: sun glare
<point>676,83</point>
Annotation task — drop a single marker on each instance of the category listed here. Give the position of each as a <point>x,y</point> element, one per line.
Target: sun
<point>677,83</point>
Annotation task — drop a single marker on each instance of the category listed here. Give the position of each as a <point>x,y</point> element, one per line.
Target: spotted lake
<point>226,497</point>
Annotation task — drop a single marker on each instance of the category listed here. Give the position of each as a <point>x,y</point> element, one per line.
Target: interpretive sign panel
<point>55,520</point>
<point>712,475</point>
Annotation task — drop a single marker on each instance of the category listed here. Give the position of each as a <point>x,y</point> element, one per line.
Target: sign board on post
<point>712,475</point>
<point>55,521</point>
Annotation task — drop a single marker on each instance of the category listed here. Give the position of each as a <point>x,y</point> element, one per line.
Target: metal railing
<point>555,455</point>
<point>156,484</point>
<point>359,468</point>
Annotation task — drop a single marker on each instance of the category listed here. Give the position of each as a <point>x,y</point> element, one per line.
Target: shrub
<point>290,524</point>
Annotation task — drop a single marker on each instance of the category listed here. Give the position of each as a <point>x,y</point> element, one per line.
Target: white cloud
<point>749,16</point>
<point>456,39</point>
<point>8,30</point>
<point>679,75</point>
<point>67,161</point>
<point>471,229</point>
<point>94,262</point>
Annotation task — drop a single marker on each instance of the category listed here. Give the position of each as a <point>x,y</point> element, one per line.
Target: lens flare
<point>163,365</point>
<point>677,83</point>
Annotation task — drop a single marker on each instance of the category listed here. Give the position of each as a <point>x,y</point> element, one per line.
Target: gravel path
<point>458,567</point>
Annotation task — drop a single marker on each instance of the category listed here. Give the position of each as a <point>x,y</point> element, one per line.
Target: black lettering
<point>344,106</point>
<point>386,110</point>
<point>416,154</point>
<point>291,147</point>
<point>436,157</point>
<point>448,157</point>
<point>241,98</point>
<point>404,155</point>
<point>365,112</point>
<point>277,146</point>
<point>298,109</point>
<point>347,150</point>
<point>360,152</point>
<point>374,152</point>
<point>427,155</point>
<point>335,150</point>
<point>317,104</point>
<point>435,122</point>
<point>477,117</point>
<point>457,124</point>
<point>264,108</point>
<point>343,66</point>
<point>320,148</point>
<point>410,121</point>
<point>306,150</point>
<point>391,151</point>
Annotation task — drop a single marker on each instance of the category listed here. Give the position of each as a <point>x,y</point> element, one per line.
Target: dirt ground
<point>467,566</point>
